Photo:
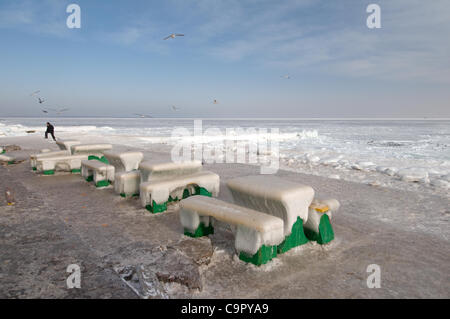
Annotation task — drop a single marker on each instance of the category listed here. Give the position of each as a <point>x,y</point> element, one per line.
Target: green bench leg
<point>90,178</point>
<point>49,172</point>
<point>326,233</point>
<point>201,231</point>
<point>157,208</point>
<point>262,256</point>
<point>125,195</point>
<point>296,238</point>
<point>34,168</point>
<point>102,184</point>
<point>76,170</point>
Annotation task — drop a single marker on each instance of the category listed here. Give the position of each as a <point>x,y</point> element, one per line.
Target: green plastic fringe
<point>163,207</point>
<point>101,159</point>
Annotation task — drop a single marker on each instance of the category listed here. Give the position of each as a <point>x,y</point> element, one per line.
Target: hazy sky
<point>235,51</point>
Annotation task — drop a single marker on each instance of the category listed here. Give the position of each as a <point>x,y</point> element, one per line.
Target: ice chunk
<point>414,174</point>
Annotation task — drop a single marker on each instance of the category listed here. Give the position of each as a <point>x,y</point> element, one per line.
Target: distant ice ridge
<point>436,173</point>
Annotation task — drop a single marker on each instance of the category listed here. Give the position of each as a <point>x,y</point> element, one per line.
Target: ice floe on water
<point>384,152</point>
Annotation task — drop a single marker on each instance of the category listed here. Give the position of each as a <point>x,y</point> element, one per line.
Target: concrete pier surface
<point>61,220</point>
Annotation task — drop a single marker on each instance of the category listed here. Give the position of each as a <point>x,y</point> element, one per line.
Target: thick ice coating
<point>127,183</point>
<point>254,228</point>
<point>100,170</point>
<point>274,196</point>
<point>62,163</point>
<point>90,149</point>
<point>34,157</point>
<point>66,144</point>
<point>6,158</point>
<point>153,171</point>
<point>160,190</point>
<point>124,161</point>
<point>318,208</point>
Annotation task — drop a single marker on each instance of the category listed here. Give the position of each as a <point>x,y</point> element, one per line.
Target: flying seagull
<point>216,102</point>
<point>58,111</point>
<point>35,92</point>
<point>173,35</point>
<point>45,111</point>
<point>142,115</point>
<point>287,76</point>
<point>175,108</point>
<point>40,100</point>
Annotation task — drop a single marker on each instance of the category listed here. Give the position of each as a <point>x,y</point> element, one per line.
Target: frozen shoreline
<point>404,155</point>
<point>61,219</point>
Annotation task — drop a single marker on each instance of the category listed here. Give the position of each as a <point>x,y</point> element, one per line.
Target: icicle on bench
<point>69,163</point>
<point>127,176</point>
<point>65,145</point>
<point>101,173</point>
<point>257,235</point>
<point>156,194</point>
<point>34,157</point>
<point>318,226</point>
<point>272,195</point>
<point>94,151</point>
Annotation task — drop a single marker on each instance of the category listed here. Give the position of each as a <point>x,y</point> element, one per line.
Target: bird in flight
<point>216,102</point>
<point>286,76</point>
<point>175,108</point>
<point>173,35</point>
<point>35,92</point>
<point>143,115</point>
<point>40,100</point>
<point>58,111</point>
<point>45,111</point>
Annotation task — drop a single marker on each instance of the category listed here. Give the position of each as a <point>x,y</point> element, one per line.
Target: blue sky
<point>235,51</point>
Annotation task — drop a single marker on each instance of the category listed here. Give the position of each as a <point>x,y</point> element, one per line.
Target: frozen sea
<point>411,154</point>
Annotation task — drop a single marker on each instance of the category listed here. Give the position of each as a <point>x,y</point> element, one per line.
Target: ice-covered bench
<point>34,157</point>
<point>256,234</point>
<point>70,163</point>
<point>127,177</point>
<point>127,183</point>
<point>154,171</point>
<point>7,159</point>
<point>65,145</point>
<point>318,226</point>
<point>156,194</point>
<point>124,161</point>
<point>277,197</point>
<point>101,173</point>
<point>94,151</point>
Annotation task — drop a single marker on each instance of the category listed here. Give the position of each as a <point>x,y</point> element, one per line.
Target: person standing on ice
<point>50,130</point>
